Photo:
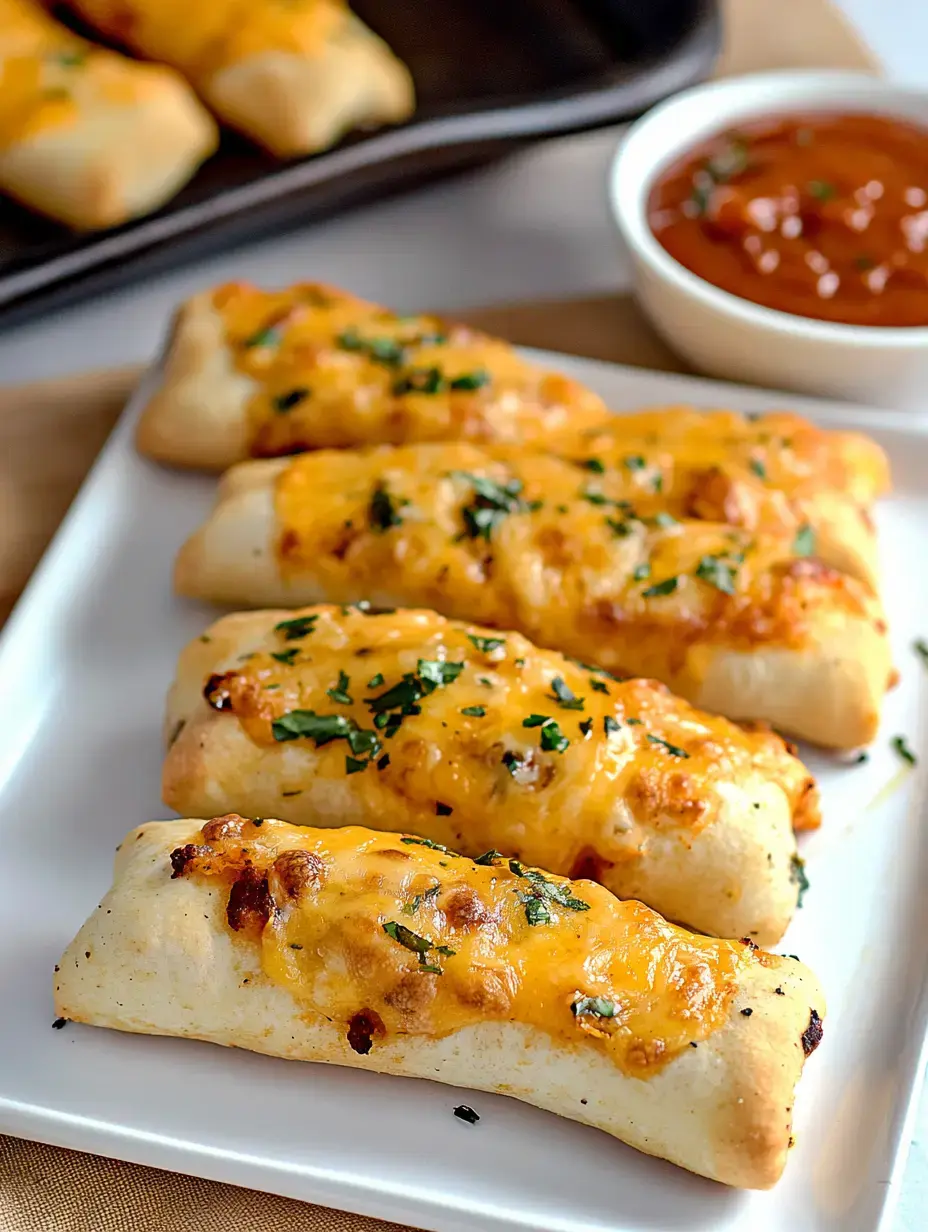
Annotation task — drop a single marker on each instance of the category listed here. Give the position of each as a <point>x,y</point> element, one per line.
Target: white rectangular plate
<point>84,664</point>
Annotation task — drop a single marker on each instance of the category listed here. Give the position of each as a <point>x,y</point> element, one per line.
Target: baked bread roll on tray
<point>478,740</point>
<point>374,950</point>
<point>774,472</point>
<point>293,75</point>
<point>751,626</point>
<point>86,136</point>
<point>251,373</point>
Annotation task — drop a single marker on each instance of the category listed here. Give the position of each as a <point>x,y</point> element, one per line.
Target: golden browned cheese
<point>389,934</point>
<point>47,74</point>
<point>202,38</point>
<point>334,371</point>
<point>541,545</point>
<point>757,471</point>
<point>484,741</point>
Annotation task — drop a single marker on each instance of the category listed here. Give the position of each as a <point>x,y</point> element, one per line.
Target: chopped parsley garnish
<point>471,380</point>
<point>401,698</point>
<point>596,465</point>
<point>599,686</point>
<point>352,765</point>
<point>474,712</point>
<point>324,728</point>
<point>797,875</point>
<point>821,190</point>
<point>426,896</point>
<point>641,572</point>
<point>667,587</point>
<point>592,1007</point>
<point>485,681</point>
<point>427,842</point>
<point>383,510</point>
<point>535,910</point>
<point>492,502</point>
<point>552,739</point>
<point>489,856</point>
<point>758,468</point>
<point>610,725</point>
<point>536,720</point>
<point>418,945</point>
<point>804,542</point>
<point>564,696</point>
<point>633,722</point>
<point>486,645</point>
<point>621,529</point>
<point>541,893</point>
<point>663,520</point>
<point>901,747</point>
<point>286,402</point>
<point>435,672</point>
<point>586,726</point>
<point>300,626</point>
<point>340,692</point>
<point>267,337</point>
<point>375,681</point>
<point>674,749</point>
<point>921,649</point>
<point>420,381</point>
<point>286,656</point>
<point>383,762</point>
<point>635,462</point>
<point>718,573</point>
<point>385,351</point>
<point>513,762</point>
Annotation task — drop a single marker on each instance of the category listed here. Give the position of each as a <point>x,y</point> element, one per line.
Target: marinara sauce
<point>822,216</point>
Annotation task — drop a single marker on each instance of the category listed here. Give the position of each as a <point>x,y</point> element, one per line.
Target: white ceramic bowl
<point>721,333</point>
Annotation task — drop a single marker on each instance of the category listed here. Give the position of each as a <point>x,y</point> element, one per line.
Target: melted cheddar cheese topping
<point>203,38</point>
<point>477,739</point>
<point>761,472</point>
<point>49,77</point>
<point>388,935</point>
<point>541,545</point>
<point>331,370</point>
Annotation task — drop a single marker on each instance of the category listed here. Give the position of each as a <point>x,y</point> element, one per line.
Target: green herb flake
<point>469,381</point>
<point>804,542</point>
<point>610,724</point>
<point>535,910</point>
<point>593,1007</point>
<point>633,722</point>
<point>418,945</point>
<point>485,681</point>
<point>901,747</point>
<point>436,672</point>
<point>474,712</point>
<point>383,762</point>
<point>536,720</point>
<point>383,510</point>
<point>489,857</point>
<point>286,402</point>
<point>486,645</point>
<point>286,656</point>
<point>797,875</point>
<point>353,765</point>
<point>667,587</point>
<point>663,520</point>
<point>513,762</point>
<point>420,381</point>
<point>269,336</point>
<point>492,502</point>
<point>641,572</point>
<point>718,573</point>
<point>758,468</point>
<point>427,842</point>
<point>586,726</point>
<point>425,897</point>
<point>599,686</point>
<point>596,465</point>
<point>552,739</point>
<point>340,692</point>
<point>634,462</point>
<point>620,528</point>
<point>300,626</point>
<point>375,681</point>
<point>821,190</point>
<point>564,696</point>
<point>673,749</point>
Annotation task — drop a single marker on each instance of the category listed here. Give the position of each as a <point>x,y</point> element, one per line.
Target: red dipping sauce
<point>822,216</point>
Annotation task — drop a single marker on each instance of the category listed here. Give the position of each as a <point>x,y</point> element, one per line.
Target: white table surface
<point>536,225</point>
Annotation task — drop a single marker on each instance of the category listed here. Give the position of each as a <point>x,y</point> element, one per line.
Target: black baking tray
<point>490,75</point>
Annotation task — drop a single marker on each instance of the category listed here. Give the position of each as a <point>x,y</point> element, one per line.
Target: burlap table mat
<point>49,435</point>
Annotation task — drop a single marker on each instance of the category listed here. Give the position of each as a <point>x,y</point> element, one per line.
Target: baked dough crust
<point>86,136</point>
<point>293,77</point>
<point>797,644</point>
<point>158,956</point>
<point>705,838</point>
<point>236,353</point>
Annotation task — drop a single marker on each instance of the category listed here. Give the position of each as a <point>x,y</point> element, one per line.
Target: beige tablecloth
<point>49,435</point>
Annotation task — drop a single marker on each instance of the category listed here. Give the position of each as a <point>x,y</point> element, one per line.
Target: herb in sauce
<point>474,712</point>
<point>552,739</point>
<point>758,468</point>
<point>599,686</point>
<point>596,465</point>
<point>269,336</point>
<point>286,656</point>
<point>641,572</point>
<point>593,1007</point>
<point>635,462</point>
<point>586,726</point>
<point>425,897</point>
<point>375,681</point>
<point>340,692</point>
<point>469,381</point>
<point>418,945</point>
<point>427,842</point>
<point>352,765</point>
<point>324,728</point>
<point>492,502</point>
<point>564,696</point>
<point>488,857</point>
<point>718,573</point>
<point>804,542</point>
<point>610,725</point>
<point>420,381</point>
